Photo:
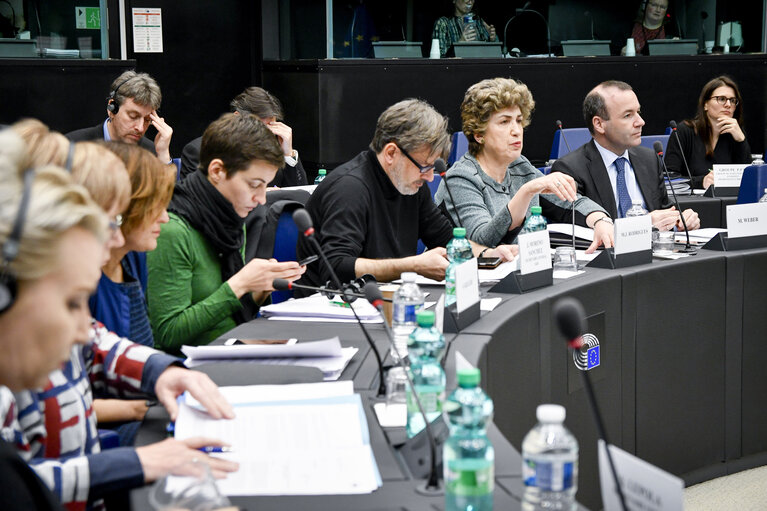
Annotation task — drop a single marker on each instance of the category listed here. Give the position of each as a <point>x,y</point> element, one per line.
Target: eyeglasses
<point>423,169</point>
<point>724,99</point>
<point>116,223</point>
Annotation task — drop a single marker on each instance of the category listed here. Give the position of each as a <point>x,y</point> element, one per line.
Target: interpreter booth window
<point>420,28</point>
<point>75,29</point>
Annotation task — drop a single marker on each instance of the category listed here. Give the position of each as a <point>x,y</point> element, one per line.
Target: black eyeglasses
<point>724,99</point>
<point>423,169</point>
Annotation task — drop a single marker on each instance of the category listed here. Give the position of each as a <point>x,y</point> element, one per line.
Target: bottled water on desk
<point>536,222</point>
<point>636,209</point>
<point>468,458</point>
<point>458,251</point>
<point>764,197</point>
<point>407,301</point>
<point>549,463</point>
<point>425,346</point>
<point>321,174</point>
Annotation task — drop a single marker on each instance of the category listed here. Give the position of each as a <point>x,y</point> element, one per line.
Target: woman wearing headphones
<point>651,23</point>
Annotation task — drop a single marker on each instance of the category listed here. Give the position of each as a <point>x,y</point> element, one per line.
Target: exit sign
<point>88,17</point>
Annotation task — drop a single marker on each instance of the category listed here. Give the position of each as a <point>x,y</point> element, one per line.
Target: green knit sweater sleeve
<point>188,302</point>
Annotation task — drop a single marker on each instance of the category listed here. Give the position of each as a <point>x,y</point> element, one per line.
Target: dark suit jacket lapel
<point>601,179</point>
<point>647,179</point>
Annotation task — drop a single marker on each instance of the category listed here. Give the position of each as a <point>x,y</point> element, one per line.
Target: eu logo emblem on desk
<point>592,357</point>
<point>588,356</point>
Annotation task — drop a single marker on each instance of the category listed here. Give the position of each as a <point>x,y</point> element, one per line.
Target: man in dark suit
<point>262,104</point>
<point>612,169</point>
<point>131,108</point>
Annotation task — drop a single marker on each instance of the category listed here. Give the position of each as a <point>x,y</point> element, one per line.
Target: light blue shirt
<point>106,131</point>
<point>609,157</point>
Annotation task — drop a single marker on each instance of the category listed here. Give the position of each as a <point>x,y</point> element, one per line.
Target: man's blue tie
<point>624,199</point>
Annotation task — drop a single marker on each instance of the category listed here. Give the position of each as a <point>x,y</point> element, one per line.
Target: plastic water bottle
<point>407,301</point>
<point>468,458</point>
<point>426,371</point>
<point>549,463</point>
<point>636,209</point>
<point>764,197</point>
<point>535,222</point>
<point>458,251</point>
<point>321,174</point>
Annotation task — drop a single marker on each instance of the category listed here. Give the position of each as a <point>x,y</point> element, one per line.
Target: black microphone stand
<point>688,249</point>
<point>562,134</point>
<point>672,124</point>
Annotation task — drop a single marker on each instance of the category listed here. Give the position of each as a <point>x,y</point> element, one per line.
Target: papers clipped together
<point>320,308</point>
<point>302,439</point>
<point>328,356</point>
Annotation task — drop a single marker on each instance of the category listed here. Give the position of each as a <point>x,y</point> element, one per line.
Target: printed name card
<point>633,234</point>
<point>534,252</point>
<point>728,176</point>
<point>466,285</point>
<point>746,220</point>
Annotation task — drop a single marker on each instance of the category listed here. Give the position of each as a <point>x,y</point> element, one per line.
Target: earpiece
<point>11,246</point>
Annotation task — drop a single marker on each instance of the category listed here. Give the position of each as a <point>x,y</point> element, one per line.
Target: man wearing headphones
<point>131,108</point>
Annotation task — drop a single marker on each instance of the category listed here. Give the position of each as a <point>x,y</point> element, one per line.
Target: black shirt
<point>357,212</point>
<point>20,488</point>
<point>726,151</point>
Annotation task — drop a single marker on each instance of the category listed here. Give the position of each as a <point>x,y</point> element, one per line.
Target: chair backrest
<point>458,148</point>
<point>752,184</point>
<point>649,140</point>
<point>575,137</point>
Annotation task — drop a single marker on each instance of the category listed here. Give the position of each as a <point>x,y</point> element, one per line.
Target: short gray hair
<point>594,104</point>
<point>412,124</point>
<point>140,87</point>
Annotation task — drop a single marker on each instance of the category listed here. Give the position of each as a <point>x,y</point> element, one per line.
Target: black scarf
<point>199,203</point>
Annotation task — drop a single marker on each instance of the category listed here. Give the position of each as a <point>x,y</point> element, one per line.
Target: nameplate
<point>728,176</point>
<point>466,285</point>
<point>745,220</point>
<point>633,234</point>
<point>644,486</point>
<point>534,252</point>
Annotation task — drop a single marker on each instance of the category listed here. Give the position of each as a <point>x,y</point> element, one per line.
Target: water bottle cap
<point>551,413</point>
<point>424,318</point>
<point>468,377</point>
<point>636,202</point>
<point>459,232</point>
<point>536,210</point>
<point>409,276</point>
<point>323,172</point>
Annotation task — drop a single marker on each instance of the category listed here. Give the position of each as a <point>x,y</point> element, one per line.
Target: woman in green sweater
<point>200,285</point>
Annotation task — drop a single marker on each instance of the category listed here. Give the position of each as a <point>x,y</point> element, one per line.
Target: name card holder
<point>722,243</point>
<point>515,283</point>
<point>722,191</point>
<point>610,261</point>
<point>454,321</point>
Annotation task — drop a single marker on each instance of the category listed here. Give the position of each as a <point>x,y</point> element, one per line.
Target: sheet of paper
<point>581,232</point>
<point>534,252</point>
<point>318,306</point>
<point>324,320</point>
<point>633,234</point>
<point>391,415</point>
<point>466,285</point>
<point>326,348</point>
<point>488,304</point>
<point>565,274</point>
<point>240,395</point>
<point>499,272</point>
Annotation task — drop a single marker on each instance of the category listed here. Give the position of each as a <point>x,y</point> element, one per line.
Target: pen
<point>212,450</point>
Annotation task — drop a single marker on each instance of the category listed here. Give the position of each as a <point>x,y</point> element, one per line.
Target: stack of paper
<point>328,356</point>
<point>562,235</point>
<point>304,439</point>
<point>320,308</point>
<point>681,186</point>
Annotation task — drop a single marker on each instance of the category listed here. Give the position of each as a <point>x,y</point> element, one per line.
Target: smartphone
<point>308,260</point>
<point>488,263</point>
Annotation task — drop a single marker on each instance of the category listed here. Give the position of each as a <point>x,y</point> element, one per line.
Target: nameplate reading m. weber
<point>745,220</point>
<point>633,234</point>
<point>466,285</point>
<point>728,176</point>
<point>534,252</point>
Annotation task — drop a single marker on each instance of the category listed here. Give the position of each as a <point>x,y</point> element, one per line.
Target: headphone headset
<point>11,246</point>
<point>112,104</point>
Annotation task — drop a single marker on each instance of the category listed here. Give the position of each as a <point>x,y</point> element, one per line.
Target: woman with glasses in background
<point>714,136</point>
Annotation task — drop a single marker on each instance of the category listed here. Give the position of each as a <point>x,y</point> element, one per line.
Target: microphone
<point>562,134</point>
<point>431,486</point>
<point>441,168</point>
<point>658,146</point>
<point>304,223</point>
<point>525,8</point>
<point>571,322</point>
<point>285,285</point>
<point>591,17</point>
<point>672,124</point>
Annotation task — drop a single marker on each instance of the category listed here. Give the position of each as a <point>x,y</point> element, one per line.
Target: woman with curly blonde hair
<point>494,186</point>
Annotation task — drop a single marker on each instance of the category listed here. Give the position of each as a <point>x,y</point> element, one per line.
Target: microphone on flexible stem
<point>688,249</point>
<point>286,285</point>
<point>562,134</point>
<point>304,223</point>
<point>672,124</point>
<point>591,17</point>
<point>431,486</point>
<point>441,168</point>
<point>571,322</point>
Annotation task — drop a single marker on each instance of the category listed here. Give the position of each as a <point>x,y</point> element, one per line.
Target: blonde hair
<point>56,205</point>
<point>94,167</point>
<point>151,181</point>
<point>485,98</point>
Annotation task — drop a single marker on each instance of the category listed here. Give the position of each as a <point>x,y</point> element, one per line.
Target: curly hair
<point>485,98</point>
